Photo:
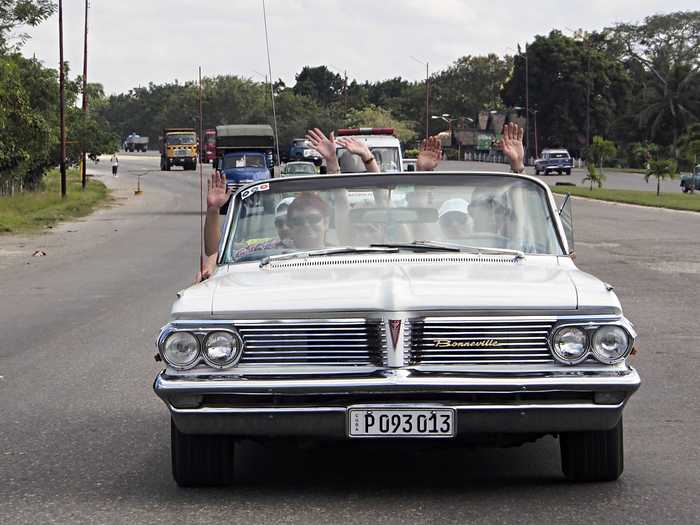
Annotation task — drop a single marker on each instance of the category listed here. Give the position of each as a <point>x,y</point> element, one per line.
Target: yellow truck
<point>178,147</point>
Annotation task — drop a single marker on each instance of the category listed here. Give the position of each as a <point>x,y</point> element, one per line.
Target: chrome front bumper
<point>317,407</point>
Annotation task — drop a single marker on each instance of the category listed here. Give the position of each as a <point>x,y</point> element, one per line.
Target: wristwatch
<point>368,159</point>
<point>521,170</point>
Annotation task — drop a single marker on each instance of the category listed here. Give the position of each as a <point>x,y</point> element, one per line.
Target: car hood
<point>537,283</point>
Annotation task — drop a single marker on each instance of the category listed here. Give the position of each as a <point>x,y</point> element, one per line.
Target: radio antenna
<point>272,91</point>
<point>201,179</point>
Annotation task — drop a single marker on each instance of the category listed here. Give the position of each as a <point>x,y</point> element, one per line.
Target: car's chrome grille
<point>473,341</point>
<point>335,342</point>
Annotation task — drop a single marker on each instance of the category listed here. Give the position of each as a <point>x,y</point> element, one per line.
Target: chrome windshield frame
<point>362,180</point>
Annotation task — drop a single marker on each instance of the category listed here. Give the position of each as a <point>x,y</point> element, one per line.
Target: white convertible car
<point>442,306</point>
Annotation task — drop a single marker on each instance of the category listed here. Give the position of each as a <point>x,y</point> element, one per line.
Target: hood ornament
<point>395,330</point>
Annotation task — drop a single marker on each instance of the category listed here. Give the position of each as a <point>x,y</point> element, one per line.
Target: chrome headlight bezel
<point>553,348</point>
<point>162,347</point>
<point>606,360</point>
<point>237,354</point>
<point>590,328</point>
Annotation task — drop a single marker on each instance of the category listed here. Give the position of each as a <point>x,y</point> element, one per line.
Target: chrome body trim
<point>313,406</point>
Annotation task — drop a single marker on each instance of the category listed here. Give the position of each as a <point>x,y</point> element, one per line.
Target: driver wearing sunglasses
<point>308,219</point>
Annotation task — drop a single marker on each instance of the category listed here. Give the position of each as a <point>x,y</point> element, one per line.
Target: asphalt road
<point>83,439</point>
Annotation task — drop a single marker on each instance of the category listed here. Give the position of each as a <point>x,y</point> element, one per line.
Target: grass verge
<point>675,201</point>
<point>36,210</point>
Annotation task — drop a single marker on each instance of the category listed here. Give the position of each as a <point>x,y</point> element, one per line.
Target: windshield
<point>387,159</point>
<point>485,211</point>
<point>243,160</point>
<point>174,140</point>
<point>558,155</point>
<point>299,169</point>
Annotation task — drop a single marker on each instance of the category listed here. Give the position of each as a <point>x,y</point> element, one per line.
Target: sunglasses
<point>310,220</point>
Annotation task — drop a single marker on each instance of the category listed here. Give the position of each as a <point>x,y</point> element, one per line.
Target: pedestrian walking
<point>115,164</point>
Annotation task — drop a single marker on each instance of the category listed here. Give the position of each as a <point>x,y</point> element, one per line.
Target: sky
<point>134,42</point>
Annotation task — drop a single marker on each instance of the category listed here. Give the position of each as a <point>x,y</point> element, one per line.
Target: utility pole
<point>527,111</point>
<point>83,167</point>
<point>272,90</point>
<point>61,89</point>
<point>427,95</point>
<point>345,89</point>
<point>427,101</point>
<point>588,97</point>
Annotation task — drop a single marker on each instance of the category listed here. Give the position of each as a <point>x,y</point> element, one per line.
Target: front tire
<point>594,455</point>
<point>568,171</point>
<point>201,459</point>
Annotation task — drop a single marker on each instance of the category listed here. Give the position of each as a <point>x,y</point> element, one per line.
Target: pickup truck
<point>557,160</point>
<point>244,153</point>
<point>689,182</point>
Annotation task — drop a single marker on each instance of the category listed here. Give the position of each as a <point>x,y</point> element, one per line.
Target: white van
<point>385,147</point>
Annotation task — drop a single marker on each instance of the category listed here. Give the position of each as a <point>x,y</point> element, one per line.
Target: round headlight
<point>610,344</point>
<point>181,349</point>
<point>222,349</point>
<point>569,345</point>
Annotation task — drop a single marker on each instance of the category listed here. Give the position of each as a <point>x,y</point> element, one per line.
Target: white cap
<point>282,206</point>
<point>459,205</point>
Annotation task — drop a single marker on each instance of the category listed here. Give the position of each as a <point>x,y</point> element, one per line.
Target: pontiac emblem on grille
<point>395,329</point>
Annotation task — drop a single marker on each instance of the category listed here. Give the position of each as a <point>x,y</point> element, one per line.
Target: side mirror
<point>567,220</point>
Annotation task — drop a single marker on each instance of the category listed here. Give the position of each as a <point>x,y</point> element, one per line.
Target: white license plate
<point>401,422</point>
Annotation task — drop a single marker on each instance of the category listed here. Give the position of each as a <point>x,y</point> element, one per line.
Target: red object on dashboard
<point>364,131</point>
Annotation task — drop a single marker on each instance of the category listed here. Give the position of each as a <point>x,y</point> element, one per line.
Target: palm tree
<point>661,169</point>
<point>670,100</point>
<point>594,176</point>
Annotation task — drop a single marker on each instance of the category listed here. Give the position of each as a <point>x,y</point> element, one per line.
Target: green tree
<point>594,176</point>
<point>643,152</point>
<point>374,117</point>
<point>661,169</point>
<point>319,83</point>
<point>16,13</point>
<point>689,145</point>
<point>600,150</point>
<point>469,85</point>
<point>663,54</point>
<point>561,72</point>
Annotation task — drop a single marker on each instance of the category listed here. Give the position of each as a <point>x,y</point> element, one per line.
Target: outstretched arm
<point>325,146</point>
<point>360,149</point>
<point>217,196</point>
<point>512,145</point>
<point>430,154</point>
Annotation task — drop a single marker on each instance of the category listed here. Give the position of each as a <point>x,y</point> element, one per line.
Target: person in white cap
<point>454,219</point>
<point>281,223</point>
